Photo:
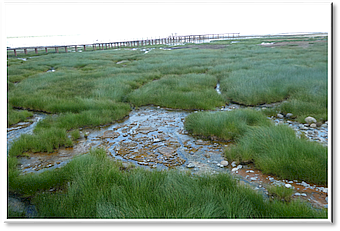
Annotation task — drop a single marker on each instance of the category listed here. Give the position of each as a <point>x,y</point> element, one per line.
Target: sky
<point>136,20</point>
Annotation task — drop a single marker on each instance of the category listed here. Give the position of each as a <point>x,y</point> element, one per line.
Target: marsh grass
<point>224,125</point>
<point>273,149</point>
<point>14,116</point>
<point>276,150</point>
<point>91,89</point>
<point>98,188</point>
<point>280,192</point>
<point>191,91</point>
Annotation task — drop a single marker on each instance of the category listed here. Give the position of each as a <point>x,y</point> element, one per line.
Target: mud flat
<point>155,138</point>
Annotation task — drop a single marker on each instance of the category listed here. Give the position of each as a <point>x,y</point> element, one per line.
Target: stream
<point>154,138</point>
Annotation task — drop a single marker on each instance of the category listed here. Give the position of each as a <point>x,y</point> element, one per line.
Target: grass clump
<point>191,91</point>
<point>224,125</point>
<point>276,150</point>
<point>14,116</point>
<point>98,188</point>
<point>273,149</point>
<point>280,192</point>
<point>46,140</point>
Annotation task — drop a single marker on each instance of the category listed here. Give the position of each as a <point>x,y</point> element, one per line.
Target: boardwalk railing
<point>134,43</point>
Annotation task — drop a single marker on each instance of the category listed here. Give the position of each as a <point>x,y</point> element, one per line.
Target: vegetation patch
<point>14,116</point>
<point>191,91</point>
<point>273,149</point>
<point>92,186</point>
<point>88,89</point>
<point>224,125</point>
<point>276,150</point>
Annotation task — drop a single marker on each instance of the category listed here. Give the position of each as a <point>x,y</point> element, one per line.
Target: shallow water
<point>15,131</point>
<point>155,138</point>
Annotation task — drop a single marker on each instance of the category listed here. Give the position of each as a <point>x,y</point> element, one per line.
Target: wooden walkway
<point>135,43</point>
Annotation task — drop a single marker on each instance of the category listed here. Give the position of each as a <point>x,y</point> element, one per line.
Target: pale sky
<point>141,20</point>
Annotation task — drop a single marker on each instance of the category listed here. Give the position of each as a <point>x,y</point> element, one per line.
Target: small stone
<point>289,115</point>
<point>224,163</point>
<point>310,120</point>
<point>233,164</point>
<point>324,125</point>
<point>318,124</point>
<point>288,185</point>
<point>249,171</point>
<point>313,125</point>
<point>190,165</point>
<point>279,116</point>
<point>234,169</point>
<point>297,194</point>
<point>239,166</point>
<point>303,194</point>
<point>253,178</point>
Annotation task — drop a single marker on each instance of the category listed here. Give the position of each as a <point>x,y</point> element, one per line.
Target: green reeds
<point>191,91</point>
<point>98,188</point>
<point>276,150</point>
<point>224,125</point>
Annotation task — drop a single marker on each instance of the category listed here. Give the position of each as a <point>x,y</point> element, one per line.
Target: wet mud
<point>155,138</point>
<point>316,195</point>
<point>15,131</point>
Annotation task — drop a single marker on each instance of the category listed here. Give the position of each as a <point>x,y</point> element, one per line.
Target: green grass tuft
<point>276,150</point>
<point>191,91</point>
<point>224,125</point>
<point>97,188</point>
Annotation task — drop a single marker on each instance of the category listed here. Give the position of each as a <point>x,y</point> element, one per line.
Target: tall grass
<point>273,149</point>
<point>90,89</point>
<point>99,189</point>
<point>224,125</point>
<point>14,116</point>
<point>276,150</point>
<point>269,75</point>
<point>191,91</point>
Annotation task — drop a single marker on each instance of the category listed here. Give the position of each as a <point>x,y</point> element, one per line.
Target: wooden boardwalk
<point>134,43</point>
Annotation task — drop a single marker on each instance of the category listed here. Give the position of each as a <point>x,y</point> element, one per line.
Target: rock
<point>166,151</point>
<point>279,116</point>
<point>324,125</point>
<point>239,166</point>
<point>318,124</point>
<point>110,134</point>
<point>303,194</point>
<point>288,185</point>
<point>253,178</point>
<point>310,120</point>
<point>224,163</point>
<point>313,125</point>
<point>190,165</point>
<point>297,194</point>
<point>233,164</point>
<point>234,169</point>
<point>249,171</point>
<point>289,115</point>
<point>199,142</point>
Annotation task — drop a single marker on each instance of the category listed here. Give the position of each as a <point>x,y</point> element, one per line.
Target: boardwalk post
<point>84,48</point>
<point>65,49</point>
<point>15,52</point>
<point>36,50</point>
<point>25,50</point>
<point>56,50</point>
<point>76,48</point>
<point>105,45</point>
<point>46,49</point>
